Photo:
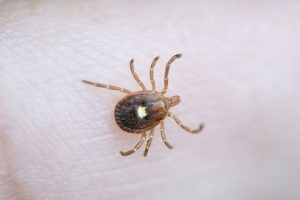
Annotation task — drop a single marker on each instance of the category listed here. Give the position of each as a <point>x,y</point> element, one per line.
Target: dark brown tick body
<point>127,111</point>
<point>139,112</point>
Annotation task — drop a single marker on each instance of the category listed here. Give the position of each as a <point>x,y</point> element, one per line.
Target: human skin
<point>239,74</point>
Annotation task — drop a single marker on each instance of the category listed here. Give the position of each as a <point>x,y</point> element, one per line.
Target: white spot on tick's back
<point>141,111</point>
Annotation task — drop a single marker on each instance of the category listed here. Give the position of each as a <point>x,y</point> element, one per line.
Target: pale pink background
<point>239,73</point>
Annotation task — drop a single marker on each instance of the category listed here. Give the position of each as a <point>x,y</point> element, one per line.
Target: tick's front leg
<point>166,78</point>
<point>188,129</point>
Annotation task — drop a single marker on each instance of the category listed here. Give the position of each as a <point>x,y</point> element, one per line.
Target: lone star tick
<point>141,111</point>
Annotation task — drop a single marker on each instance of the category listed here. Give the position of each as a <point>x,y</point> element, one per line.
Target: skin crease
<point>239,74</point>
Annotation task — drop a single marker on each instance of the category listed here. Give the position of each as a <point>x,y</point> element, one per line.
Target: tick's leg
<point>188,129</point>
<point>110,87</point>
<point>149,141</point>
<point>136,147</point>
<point>166,80</point>
<point>136,77</point>
<point>163,135</point>
<point>152,73</point>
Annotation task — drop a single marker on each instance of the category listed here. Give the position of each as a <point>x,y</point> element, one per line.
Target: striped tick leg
<point>152,73</point>
<point>110,87</point>
<point>163,135</point>
<point>188,129</point>
<point>136,147</point>
<point>136,77</point>
<point>149,141</point>
<point>166,79</point>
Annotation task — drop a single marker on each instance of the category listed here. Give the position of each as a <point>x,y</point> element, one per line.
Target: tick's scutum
<point>140,111</point>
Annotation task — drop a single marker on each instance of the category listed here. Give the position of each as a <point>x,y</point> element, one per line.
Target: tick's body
<point>139,112</point>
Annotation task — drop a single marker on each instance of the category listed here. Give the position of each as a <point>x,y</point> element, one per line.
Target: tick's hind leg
<point>110,87</point>
<point>163,135</point>
<point>136,147</point>
<point>149,141</point>
<point>188,129</point>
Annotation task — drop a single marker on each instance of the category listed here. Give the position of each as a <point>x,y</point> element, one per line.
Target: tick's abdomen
<point>140,111</point>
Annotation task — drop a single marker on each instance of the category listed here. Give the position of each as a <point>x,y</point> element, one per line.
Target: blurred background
<point>239,74</point>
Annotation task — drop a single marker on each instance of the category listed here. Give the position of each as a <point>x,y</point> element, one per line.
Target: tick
<point>140,112</point>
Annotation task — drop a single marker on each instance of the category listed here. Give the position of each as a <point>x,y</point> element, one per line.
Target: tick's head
<point>171,101</point>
